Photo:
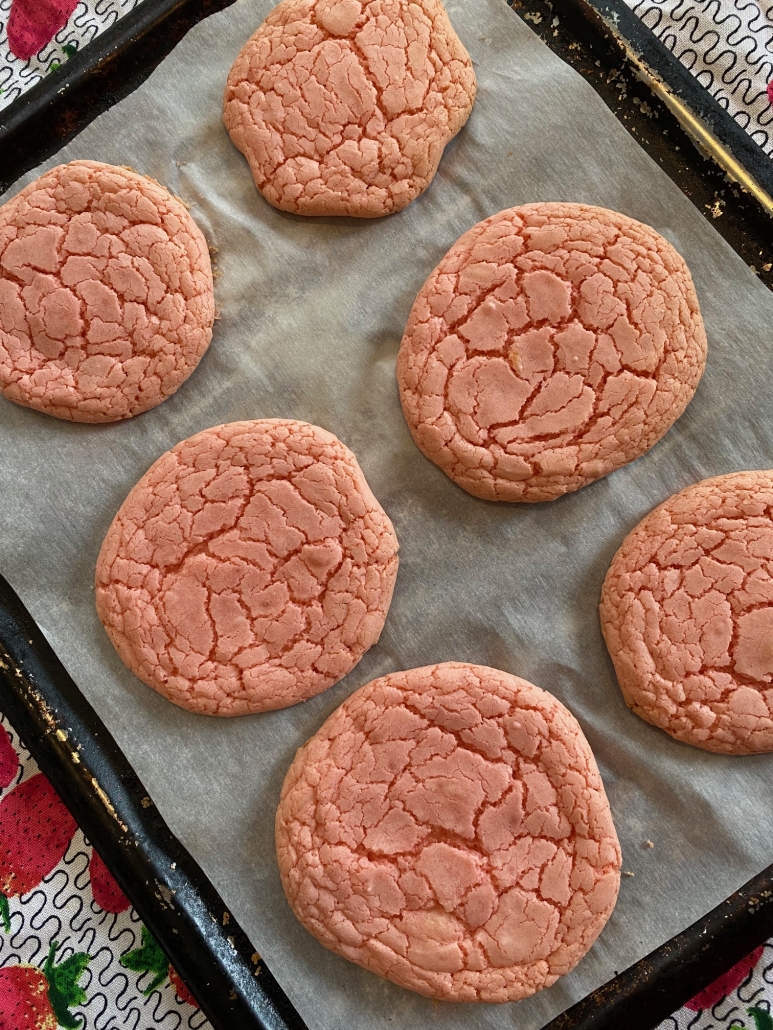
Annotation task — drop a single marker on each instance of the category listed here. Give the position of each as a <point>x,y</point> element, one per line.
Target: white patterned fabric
<point>728,46</point>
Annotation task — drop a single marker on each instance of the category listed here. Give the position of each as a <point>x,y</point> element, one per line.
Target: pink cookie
<point>250,568</point>
<point>553,344</point>
<point>106,301</point>
<point>344,108</point>
<point>687,614</point>
<point>447,828</point>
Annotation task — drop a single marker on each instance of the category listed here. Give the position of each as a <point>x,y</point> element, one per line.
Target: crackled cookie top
<point>106,302</point>
<point>343,107</point>
<point>552,344</point>
<point>447,828</point>
<point>687,614</point>
<point>250,568</point>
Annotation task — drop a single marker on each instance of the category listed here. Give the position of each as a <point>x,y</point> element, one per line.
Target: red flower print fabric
<point>33,23</point>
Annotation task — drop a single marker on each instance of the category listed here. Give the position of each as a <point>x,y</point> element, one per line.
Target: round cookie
<point>250,568</point>
<point>106,302</point>
<point>553,344</point>
<point>687,614</point>
<point>344,107</point>
<point>447,828</point>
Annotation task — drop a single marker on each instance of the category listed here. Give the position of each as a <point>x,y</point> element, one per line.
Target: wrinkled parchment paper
<point>312,315</point>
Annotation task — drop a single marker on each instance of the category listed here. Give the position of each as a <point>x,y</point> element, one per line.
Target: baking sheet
<point>312,315</point>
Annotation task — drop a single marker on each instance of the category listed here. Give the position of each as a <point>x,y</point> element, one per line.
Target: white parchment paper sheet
<point>312,315</point>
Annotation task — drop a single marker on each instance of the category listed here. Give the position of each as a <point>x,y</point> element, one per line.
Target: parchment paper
<point>312,315</point>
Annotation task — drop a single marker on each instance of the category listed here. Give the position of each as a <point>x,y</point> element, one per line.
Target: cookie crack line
<point>106,293</point>
<point>537,438</point>
<point>358,135</point>
<point>687,615</point>
<point>436,837</point>
<point>381,818</point>
<point>553,344</point>
<point>337,135</point>
<point>203,547</point>
<point>288,582</point>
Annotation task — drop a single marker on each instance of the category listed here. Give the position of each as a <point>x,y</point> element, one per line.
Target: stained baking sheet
<point>311,317</point>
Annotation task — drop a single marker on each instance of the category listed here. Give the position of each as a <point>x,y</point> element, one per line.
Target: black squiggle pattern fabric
<point>62,908</point>
<point>88,20</point>
<point>728,46</point>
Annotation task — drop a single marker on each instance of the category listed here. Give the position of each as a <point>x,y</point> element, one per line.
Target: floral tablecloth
<point>73,952</point>
<point>37,36</point>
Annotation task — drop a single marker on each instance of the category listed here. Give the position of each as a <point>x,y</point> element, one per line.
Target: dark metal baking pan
<point>603,41</point>
<point>675,120</point>
<point>712,127</point>
<point>202,939</point>
<point>45,117</point>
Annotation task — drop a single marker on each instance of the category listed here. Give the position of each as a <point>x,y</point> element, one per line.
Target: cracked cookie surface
<point>687,614</point>
<point>344,108</point>
<point>250,568</point>
<point>447,828</point>
<point>553,344</point>
<point>106,300</point>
